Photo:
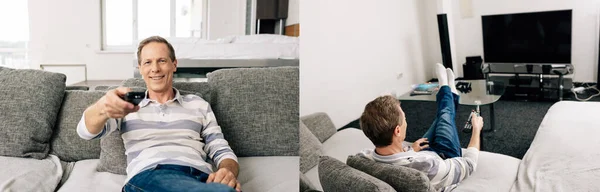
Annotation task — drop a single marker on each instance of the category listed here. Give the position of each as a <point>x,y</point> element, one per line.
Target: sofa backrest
<point>320,125</point>
<point>257,110</point>
<point>66,143</point>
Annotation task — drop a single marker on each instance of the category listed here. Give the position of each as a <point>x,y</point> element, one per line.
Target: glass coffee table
<point>482,91</point>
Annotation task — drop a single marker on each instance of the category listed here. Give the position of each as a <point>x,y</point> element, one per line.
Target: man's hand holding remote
<point>477,122</point>
<point>111,105</point>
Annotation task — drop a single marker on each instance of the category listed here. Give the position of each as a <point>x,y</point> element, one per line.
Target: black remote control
<point>468,126</point>
<point>134,97</point>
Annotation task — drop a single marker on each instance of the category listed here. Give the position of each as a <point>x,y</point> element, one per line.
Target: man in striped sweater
<point>438,154</point>
<point>170,139</point>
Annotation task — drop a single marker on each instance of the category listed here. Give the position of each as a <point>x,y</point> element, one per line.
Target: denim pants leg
<point>173,178</point>
<point>442,134</point>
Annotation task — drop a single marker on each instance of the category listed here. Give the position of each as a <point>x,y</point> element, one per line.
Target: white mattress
<point>237,47</point>
<point>564,154</point>
<point>237,51</point>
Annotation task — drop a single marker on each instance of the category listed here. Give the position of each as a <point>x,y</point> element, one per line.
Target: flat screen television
<point>530,38</point>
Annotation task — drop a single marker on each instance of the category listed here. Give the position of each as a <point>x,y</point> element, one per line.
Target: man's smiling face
<point>156,67</point>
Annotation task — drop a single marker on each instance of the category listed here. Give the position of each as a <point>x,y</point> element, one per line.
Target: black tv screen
<point>539,37</point>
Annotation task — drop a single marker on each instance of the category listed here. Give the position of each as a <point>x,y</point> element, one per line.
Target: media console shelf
<point>538,76</point>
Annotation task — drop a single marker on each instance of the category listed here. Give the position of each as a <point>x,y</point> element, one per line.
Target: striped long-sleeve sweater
<point>182,131</point>
<point>444,175</point>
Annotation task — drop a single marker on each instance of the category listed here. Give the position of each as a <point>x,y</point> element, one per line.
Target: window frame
<point>172,26</point>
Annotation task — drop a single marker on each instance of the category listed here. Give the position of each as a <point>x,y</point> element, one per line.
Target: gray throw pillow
<point>29,103</point>
<point>337,176</point>
<point>67,144</point>
<point>320,124</point>
<point>400,177</point>
<point>310,149</point>
<point>257,109</point>
<point>112,153</point>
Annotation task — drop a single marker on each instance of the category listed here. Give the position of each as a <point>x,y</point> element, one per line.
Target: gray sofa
<point>324,153</point>
<point>562,157</point>
<point>41,151</point>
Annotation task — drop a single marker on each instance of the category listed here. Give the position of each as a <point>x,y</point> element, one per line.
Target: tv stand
<point>537,77</point>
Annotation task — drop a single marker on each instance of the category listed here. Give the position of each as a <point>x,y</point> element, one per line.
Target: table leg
<point>481,141</point>
<point>560,87</point>
<point>492,118</point>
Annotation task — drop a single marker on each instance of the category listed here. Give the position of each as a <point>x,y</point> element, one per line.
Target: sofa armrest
<point>320,125</point>
<point>337,176</point>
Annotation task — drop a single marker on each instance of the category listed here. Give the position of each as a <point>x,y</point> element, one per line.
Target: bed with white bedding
<point>199,55</point>
<point>564,155</point>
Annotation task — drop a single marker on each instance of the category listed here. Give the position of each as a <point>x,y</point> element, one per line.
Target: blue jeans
<point>173,178</point>
<point>442,134</point>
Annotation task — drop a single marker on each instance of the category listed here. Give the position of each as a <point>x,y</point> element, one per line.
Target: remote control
<point>134,97</point>
<point>468,126</point>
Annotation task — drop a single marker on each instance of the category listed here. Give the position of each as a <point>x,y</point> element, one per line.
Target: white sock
<point>442,77</point>
<point>451,82</point>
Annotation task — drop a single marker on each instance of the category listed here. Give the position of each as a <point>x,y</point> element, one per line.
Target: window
<point>126,22</point>
<point>14,39</point>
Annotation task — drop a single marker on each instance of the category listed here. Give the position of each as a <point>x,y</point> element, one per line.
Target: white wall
<point>226,17</point>
<point>353,51</point>
<point>68,32</point>
<point>469,39</point>
<point>293,12</point>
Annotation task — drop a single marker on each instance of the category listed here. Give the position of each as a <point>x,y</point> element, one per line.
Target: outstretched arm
<point>477,123</point>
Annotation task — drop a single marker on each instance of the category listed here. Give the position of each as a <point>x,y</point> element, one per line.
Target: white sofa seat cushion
<point>495,172</point>
<point>84,177</point>
<point>346,142</point>
<point>273,173</point>
<point>269,173</point>
<point>27,174</point>
<point>564,154</point>
<point>341,144</point>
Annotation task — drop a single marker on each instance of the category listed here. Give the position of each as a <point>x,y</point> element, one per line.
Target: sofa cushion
<point>313,177</point>
<point>269,174</point>
<point>305,184</point>
<point>310,149</point>
<point>84,177</point>
<point>66,143</point>
<point>346,142</point>
<point>23,174</point>
<point>320,124</point>
<point>201,89</point>
<point>337,176</point>
<point>29,106</point>
<point>494,171</point>
<point>257,109</point>
<point>564,153</point>
<point>399,177</point>
<point>112,154</point>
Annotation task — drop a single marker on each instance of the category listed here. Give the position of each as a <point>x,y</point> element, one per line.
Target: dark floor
<point>517,122</point>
